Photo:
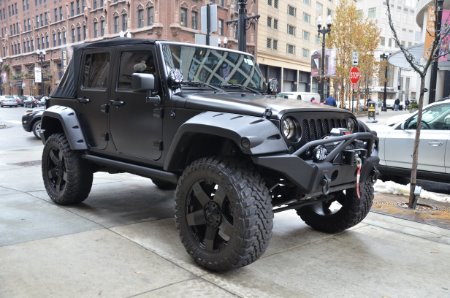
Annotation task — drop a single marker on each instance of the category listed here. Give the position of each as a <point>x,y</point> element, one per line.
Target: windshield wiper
<point>241,87</point>
<point>200,84</point>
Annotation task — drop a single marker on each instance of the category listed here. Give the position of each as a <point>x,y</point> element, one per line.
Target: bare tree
<point>421,67</point>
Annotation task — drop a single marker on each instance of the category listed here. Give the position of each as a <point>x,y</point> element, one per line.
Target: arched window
<point>150,15</point>
<point>140,17</point>
<point>95,28</point>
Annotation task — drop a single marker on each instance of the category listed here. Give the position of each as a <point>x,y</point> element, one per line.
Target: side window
<point>96,70</point>
<point>132,62</point>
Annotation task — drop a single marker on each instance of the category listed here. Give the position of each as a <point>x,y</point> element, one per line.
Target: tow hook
<point>374,175</point>
<point>325,185</point>
<point>358,175</point>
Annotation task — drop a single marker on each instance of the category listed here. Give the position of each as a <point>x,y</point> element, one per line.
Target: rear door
<point>93,97</point>
<point>135,123</point>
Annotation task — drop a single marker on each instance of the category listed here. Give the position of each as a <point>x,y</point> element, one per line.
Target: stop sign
<point>354,74</point>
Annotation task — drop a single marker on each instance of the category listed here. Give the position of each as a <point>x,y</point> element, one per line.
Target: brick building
<point>56,25</point>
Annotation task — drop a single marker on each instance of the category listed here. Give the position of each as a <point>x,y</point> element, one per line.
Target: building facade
<point>402,82</point>
<point>287,36</point>
<point>56,25</point>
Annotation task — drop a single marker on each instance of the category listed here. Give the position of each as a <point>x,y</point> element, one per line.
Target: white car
<point>8,101</point>
<point>396,145</point>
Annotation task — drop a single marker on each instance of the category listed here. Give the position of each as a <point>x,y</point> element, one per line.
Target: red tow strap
<point>358,175</point>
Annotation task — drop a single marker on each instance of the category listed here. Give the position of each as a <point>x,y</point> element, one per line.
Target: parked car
<point>31,121</point>
<point>9,101</point>
<point>305,96</point>
<point>396,145</point>
<point>166,111</point>
<point>31,102</point>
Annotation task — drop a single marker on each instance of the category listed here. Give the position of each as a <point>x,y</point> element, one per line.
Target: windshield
<point>214,66</point>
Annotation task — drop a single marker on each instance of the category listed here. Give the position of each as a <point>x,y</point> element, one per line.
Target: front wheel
<point>37,129</point>
<point>341,211</point>
<point>223,213</point>
<point>67,177</point>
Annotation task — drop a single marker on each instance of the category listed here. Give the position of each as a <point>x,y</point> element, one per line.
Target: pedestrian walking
<point>330,101</point>
<point>396,104</point>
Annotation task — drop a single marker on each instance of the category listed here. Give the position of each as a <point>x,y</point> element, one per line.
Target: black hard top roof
<point>114,42</point>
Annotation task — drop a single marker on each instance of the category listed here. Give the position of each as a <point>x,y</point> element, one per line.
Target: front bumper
<point>336,172</point>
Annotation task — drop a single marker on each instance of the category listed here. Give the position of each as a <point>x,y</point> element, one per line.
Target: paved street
<point>122,242</point>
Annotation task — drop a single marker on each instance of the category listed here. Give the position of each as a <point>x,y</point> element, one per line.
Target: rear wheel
<point>223,213</point>
<point>67,177</point>
<point>341,211</point>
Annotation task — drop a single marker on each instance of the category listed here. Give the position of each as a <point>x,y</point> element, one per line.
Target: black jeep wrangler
<point>197,119</point>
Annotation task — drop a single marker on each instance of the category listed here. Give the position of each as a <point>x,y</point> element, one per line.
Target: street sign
<point>354,74</point>
<point>355,58</point>
<point>37,75</point>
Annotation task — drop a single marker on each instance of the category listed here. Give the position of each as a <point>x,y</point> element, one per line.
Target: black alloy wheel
<point>223,213</point>
<point>67,177</point>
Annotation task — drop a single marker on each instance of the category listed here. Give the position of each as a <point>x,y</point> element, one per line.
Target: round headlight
<point>289,128</point>
<point>351,125</point>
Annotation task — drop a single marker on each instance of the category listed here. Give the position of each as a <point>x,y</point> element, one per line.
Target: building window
<point>183,17</point>
<point>61,17</point>
<point>78,7</point>
<point>55,12</point>
<point>290,49</point>
<point>54,39</point>
<point>307,2</point>
<point>371,14</point>
<point>46,42</point>
<point>319,9</point>
<point>269,43</point>
<point>46,18</point>
<point>275,44</point>
<point>43,42</point>
<point>94,4</point>
<point>95,27</point>
<point>306,53</point>
<point>390,42</point>
<point>329,12</point>
<point>64,37</point>
<point>101,3</point>
<point>78,33</point>
<point>305,35</point>
<point>84,32</point>
<point>382,41</point>
<point>102,27</point>
<point>291,30</point>
<point>221,28</point>
<point>140,18</point>
<point>124,22</point>
<point>194,23</point>
<point>116,24</point>
<point>269,22</point>
<point>275,3</point>
<point>275,23</point>
<point>306,18</point>
<point>72,37</point>
<point>150,16</point>
<point>292,10</point>
<point>72,11</point>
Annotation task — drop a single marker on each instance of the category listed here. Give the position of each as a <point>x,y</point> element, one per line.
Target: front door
<point>135,124</point>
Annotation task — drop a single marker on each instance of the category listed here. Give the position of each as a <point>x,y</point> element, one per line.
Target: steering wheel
<point>425,125</point>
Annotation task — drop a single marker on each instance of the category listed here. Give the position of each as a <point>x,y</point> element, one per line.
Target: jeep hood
<point>251,104</point>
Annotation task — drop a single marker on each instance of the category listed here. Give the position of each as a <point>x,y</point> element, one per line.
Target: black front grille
<point>315,129</point>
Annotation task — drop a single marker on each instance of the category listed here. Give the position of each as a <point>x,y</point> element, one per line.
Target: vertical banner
<point>445,44</point>
<point>37,75</point>
<point>429,35</point>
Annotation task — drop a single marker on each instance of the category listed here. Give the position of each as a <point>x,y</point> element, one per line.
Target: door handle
<point>116,103</point>
<point>435,143</point>
<point>83,100</point>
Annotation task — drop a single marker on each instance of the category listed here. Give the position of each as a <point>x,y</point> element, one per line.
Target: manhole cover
<point>419,207</point>
<point>27,163</point>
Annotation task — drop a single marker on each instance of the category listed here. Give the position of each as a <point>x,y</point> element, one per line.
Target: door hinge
<point>106,136</point>
<point>104,108</point>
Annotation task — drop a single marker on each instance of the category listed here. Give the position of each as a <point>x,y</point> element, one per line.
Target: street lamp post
<point>385,57</point>
<point>1,78</point>
<point>41,58</point>
<point>323,30</point>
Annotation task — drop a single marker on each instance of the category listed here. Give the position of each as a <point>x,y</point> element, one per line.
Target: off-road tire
<point>164,185</point>
<point>352,212</point>
<point>67,177</point>
<point>232,227</point>
<point>37,129</point>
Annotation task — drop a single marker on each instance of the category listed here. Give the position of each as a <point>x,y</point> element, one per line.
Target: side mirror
<point>142,82</point>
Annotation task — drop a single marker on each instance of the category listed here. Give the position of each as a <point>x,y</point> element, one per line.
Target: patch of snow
<point>391,187</point>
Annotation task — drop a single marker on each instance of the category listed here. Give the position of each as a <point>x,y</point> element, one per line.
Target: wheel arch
<point>62,119</point>
<point>212,133</point>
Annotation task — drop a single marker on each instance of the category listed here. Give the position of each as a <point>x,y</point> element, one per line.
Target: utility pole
<point>242,22</point>
<point>434,66</point>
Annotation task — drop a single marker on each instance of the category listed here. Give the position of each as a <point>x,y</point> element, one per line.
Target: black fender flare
<point>68,120</point>
<point>263,136</point>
